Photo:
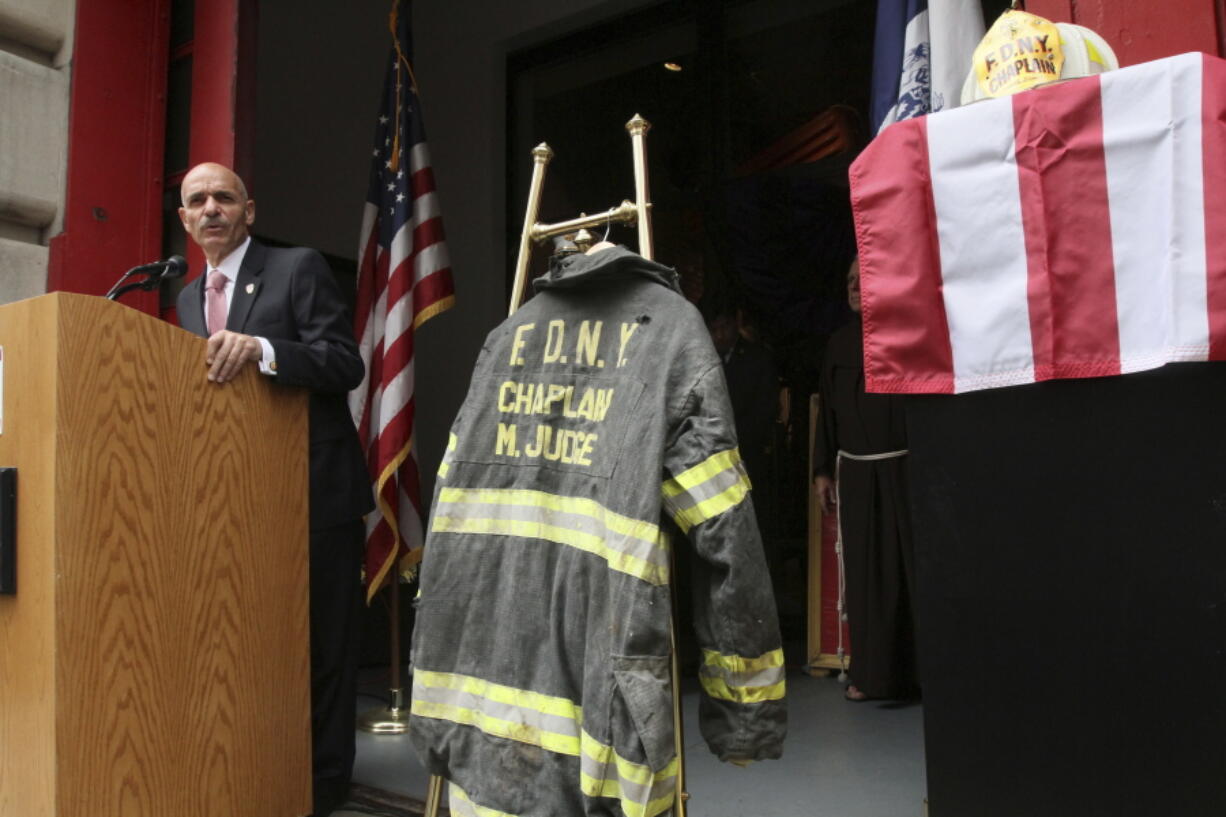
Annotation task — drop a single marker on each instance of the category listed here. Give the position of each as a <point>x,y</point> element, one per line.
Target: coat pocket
<point>645,684</point>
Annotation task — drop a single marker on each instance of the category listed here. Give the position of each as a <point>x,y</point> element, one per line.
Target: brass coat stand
<point>638,213</point>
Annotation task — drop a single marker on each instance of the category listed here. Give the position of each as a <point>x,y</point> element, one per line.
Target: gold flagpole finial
<point>393,23</point>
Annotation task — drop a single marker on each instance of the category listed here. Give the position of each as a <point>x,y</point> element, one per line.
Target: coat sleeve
<point>742,714</point>
<point>324,356</point>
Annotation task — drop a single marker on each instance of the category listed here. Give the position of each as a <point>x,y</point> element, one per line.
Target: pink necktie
<point>215,301</point>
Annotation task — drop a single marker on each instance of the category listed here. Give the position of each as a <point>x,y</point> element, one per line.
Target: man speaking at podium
<point>281,310</point>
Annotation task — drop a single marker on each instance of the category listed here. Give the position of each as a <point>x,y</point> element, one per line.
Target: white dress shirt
<point>229,267</point>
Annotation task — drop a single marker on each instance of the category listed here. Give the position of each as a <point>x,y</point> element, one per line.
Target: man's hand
<point>825,493</point>
<point>227,352</point>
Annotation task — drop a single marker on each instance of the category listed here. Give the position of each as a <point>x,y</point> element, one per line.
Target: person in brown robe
<point>860,463</point>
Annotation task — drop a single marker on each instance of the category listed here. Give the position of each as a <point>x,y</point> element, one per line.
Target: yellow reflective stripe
<point>719,688</point>
<point>632,784</point>
<point>445,466</point>
<point>621,562</point>
<point>660,805</point>
<point>709,508</point>
<point>462,805</point>
<point>594,787</point>
<point>630,772</point>
<point>499,693</point>
<point>646,533</point>
<point>494,696</point>
<point>743,680</point>
<point>610,788</point>
<point>703,471</point>
<point>739,663</point>
<point>708,489</point>
<point>562,744</point>
<point>627,769</point>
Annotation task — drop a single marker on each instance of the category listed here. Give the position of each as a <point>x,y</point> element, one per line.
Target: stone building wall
<point>35,55</point>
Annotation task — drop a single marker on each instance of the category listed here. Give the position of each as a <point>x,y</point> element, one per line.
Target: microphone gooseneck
<point>173,267</point>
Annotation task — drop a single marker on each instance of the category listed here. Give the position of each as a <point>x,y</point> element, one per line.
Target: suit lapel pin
<point>250,288</point>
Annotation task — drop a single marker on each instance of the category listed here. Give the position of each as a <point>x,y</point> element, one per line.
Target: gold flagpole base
<point>389,720</point>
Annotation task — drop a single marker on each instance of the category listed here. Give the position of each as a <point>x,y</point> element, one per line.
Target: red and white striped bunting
<point>1071,231</point>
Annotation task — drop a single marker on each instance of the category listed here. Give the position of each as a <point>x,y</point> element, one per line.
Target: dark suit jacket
<point>295,303</point>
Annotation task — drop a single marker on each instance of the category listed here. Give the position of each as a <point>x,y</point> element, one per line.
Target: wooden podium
<point>154,660</point>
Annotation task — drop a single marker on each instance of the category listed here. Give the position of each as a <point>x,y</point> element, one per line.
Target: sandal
<point>854,694</point>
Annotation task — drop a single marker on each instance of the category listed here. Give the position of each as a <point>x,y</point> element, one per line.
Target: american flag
<point>404,279</point>
<point>1068,231</point>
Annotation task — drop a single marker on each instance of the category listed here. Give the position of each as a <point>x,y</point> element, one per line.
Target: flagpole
<point>392,719</point>
<point>400,173</point>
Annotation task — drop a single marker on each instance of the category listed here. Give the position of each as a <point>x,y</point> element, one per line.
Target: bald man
<point>281,311</point>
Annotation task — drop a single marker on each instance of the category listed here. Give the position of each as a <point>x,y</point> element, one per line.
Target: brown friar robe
<point>874,515</point>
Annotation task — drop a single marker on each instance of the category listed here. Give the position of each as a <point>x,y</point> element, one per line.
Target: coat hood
<point>580,270</point>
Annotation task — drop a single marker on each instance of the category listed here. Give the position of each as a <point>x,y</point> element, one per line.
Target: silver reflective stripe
<point>490,709</point>
<point>529,717</point>
<point>548,721</point>
<point>707,489</point>
<point>743,679</point>
<point>628,545</point>
<point>461,805</point>
<point>761,678</point>
<point>710,489</point>
<point>642,793</point>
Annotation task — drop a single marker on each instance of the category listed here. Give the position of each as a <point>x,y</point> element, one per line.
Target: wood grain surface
<point>180,576</point>
<point>27,622</point>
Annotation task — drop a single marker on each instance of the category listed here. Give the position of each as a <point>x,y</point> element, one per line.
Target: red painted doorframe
<point>1143,30</point>
<point>116,124</point>
<point>223,84</point>
<point>117,121</point>
<point>223,95</point>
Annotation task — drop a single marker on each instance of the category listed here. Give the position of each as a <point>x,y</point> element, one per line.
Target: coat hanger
<point>603,243</point>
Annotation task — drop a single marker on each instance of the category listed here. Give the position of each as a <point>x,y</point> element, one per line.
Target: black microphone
<point>176,267</point>
<point>173,267</point>
<point>152,266</point>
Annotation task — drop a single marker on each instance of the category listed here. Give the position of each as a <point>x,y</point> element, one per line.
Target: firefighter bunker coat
<point>597,421</point>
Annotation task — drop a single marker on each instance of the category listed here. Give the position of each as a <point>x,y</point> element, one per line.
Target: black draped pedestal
<point>1071,559</point>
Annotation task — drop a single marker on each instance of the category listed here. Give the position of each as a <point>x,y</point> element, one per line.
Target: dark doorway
<point>757,109</point>
<point>749,200</point>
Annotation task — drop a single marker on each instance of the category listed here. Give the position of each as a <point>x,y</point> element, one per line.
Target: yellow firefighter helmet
<point>1023,51</point>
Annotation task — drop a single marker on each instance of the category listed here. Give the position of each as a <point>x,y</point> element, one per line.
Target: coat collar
<point>240,306</point>
<point>192,318</point>
<point>581,269</point>
<point>246,286</point>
